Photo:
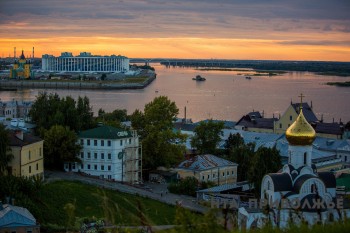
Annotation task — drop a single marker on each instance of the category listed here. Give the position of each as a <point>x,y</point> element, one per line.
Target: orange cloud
<point>182,48</point>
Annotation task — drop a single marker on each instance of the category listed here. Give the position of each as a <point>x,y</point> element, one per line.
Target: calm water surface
<point>224,95</point>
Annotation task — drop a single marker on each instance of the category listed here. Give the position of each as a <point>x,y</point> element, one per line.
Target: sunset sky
<point>228,29</point>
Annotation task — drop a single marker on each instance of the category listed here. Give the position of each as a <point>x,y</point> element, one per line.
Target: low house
<point>28,157</point>
<point>255,122</point>
<point>15,219</point>
<point>208,168</point>
<point>109,153</point>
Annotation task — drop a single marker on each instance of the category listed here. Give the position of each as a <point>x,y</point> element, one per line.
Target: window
<point>228,173</point>
<point>102,167</point>
<point>82,142</point>
<point>208,177</point>
<point>109,143</point>
<point>280,126</point>
<point>233,172</point>
<point>89,166</point>
<point>95,155</point>
<point>37,166</point>
<point>95,166</point>
<point>305,157</point>
<point>29,154</point>
<point>102,156</point>
<point>82,155</point>
<point>109,177</point>
<point>202,177</point>
<point>109,156</point>
<point>290,118</point>
<point>223,174</point>
<point>30,169</point>
<point>214,175</point>
<point>109,167</point>
<point>89,155</point>
<point>82,166</point>
<point>130,141</point>
<point>102,143</point>
<point>95,142</point>
<point>121,142</point>
<point>88,142</point>
<point>73,166</point>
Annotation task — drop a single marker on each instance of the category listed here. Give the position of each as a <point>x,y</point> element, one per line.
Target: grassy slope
<point>90,201</point>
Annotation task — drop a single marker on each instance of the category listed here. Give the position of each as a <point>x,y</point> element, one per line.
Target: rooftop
<point>204,162</point>
<point>106,132</point>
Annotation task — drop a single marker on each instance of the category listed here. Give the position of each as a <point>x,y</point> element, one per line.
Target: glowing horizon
<point>277,30</point>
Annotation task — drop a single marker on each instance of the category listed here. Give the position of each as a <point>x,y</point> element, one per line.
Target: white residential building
<point>109,153</point>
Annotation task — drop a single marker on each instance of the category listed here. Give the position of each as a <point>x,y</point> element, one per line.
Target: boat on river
<point>199,78</point>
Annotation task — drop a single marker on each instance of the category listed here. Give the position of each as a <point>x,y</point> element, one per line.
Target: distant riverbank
<point>128,83</point>
<point>339,84</point>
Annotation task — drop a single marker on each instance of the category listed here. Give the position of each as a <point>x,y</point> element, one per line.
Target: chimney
<point>33,54</point>
<point>14,53</point>
<point>19,134</point>
<point>185,114</point>
<point>263,113</point>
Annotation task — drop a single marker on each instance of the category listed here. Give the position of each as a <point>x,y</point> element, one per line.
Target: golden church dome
<point>300,133</point>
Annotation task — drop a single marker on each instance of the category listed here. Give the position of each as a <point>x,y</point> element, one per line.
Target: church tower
<point>300,136</point>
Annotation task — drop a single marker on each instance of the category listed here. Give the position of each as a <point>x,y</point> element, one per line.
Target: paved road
<point>154,191</point>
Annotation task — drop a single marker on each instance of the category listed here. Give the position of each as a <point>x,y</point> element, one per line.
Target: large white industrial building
<point>85,62</point>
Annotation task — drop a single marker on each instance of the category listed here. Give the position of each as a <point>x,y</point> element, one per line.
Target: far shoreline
<point>11,85</point>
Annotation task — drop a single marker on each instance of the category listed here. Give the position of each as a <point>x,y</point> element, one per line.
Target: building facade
<point>28,157</point>
<point>15,109</point>
<point>85,62</point>
<point>22,68</point>
<point>208,168</point>
<point>109,153</point>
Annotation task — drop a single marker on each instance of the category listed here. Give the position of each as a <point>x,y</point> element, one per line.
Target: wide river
<point>225,95</point>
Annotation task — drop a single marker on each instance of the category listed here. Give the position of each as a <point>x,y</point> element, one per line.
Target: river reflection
<point>224,95</point>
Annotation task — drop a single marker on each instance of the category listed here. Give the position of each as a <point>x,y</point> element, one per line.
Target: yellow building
<point>291,114</point>
<point>28,157</point>
<point>209,168</point>
<point>22,68</point>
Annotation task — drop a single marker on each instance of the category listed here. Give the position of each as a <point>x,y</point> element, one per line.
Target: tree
<point>50,109</point>
<point>207,136</point>
<point>240,153</point>
<point>160,144</point>
<point>5,150</point>
<point>60,145</point>
<point>264,161</point>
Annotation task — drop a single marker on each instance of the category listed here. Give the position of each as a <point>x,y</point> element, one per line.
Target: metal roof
<point>281,181</point>
<point>14,216</point>
<point>307,111</point>
<point>204,162</point>
<point>105,132</point>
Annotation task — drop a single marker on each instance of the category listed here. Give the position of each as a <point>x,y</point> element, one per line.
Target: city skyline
<point>269,30</point>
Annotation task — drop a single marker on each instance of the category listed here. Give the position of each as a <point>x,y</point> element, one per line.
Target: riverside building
<point>84,62</point>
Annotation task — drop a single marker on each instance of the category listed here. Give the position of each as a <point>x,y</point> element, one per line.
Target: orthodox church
<point>22,68</point>
<point>298,193</point>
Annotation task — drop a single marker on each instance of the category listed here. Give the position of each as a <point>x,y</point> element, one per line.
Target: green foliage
<point>84,201</point>
<point>207,136</point>
<point>50,109</point>
<point>23,190</point>
<point>264,161</point>
<point>186,186</point>
<point>5,150</point>
<point>161,146</point>
<point>187,221</point>
<point>60,146</point>
<point>113,118</point>
<point>240,153</point>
